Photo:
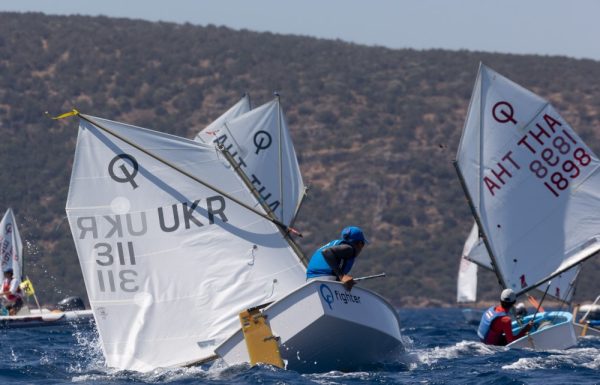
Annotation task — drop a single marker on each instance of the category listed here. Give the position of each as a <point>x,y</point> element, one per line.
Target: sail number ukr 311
<point>114,237</point>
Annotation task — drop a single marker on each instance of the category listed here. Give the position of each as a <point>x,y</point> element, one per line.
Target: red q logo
<point>503,112</point>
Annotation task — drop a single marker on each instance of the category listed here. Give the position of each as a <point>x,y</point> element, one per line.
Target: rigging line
<point>177,168</point>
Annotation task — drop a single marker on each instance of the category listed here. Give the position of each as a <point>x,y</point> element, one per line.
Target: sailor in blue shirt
<point>334,260</point>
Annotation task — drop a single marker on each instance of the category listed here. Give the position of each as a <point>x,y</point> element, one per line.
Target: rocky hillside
<point>375,131</point>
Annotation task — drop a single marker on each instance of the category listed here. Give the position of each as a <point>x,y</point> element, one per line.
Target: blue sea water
<point>441,348</point>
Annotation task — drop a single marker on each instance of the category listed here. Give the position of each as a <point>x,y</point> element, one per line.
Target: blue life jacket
<point>486,321</point>
<point>318,266</point>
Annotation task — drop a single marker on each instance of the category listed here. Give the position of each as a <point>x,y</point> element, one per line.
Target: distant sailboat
<point>175,241</point>
<point>466,283</point>
<point>11,245</point>
<point>11,252</point>
<point>532,186</point>
<point>466,287</point>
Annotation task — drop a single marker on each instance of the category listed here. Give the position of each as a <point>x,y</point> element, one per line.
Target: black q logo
<point>128,175</point>
<point>503,112</point>
<point>262,141</point>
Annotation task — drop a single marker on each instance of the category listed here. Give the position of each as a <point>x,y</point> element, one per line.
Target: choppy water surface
<point>442,348</point>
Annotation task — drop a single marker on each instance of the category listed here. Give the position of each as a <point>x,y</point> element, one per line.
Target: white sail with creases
<point>11,246</point>
<point>210,132</point>
<point>562,287</point>
<point>261,144</point>
<point>532,182</point>
<point>168,262</point>
<point>466,287</point>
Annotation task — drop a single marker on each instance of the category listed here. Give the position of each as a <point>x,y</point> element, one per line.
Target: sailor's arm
<point>335,255</point>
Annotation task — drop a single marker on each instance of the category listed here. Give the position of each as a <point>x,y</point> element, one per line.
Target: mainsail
<point>168,262</point>
<point>210,132</point>
<point>532,183</point>
<point>262,146</point>
<point>11,246</point>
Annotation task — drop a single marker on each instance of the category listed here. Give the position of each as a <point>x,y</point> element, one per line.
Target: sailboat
<point>531,184</point>
<point>69,310</point>
<point>176,242</point>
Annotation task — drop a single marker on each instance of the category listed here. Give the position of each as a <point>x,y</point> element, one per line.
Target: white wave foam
<point>583,358</point>
<point>336,377</point>
<point>161,375</point>
<point>462,348</point>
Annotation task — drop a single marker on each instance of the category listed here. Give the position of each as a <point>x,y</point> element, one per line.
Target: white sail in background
<point>11,246</point>
<point>532,181</point>
<point>168,263</point>
<point>261,144</point>
<point>562,286</point>
<point>466,287</point>
<point>210,132</point>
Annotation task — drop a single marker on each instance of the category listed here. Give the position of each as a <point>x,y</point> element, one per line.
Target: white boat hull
<point>555,331</point>
<point>45,318</point>
<point>323,327</point>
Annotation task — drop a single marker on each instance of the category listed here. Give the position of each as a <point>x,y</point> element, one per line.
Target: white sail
<point>532,181</point>
<point>562,287</point>
<point>168,262</point>
<point>210,132</point>
<point>260,142</point>
<point>11,246</point>
<point>466,287</point>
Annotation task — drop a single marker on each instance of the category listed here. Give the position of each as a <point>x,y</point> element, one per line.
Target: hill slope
<point>375,131</point>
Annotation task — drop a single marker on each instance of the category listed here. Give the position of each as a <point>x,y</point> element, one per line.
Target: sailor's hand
<point>347,281</point>
<point>529,326</point>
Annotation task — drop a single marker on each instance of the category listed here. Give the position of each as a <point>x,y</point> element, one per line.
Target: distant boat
<point>588,323</point>
<point>69,310</point>
<point>532,185</point>
<point>180,249</point>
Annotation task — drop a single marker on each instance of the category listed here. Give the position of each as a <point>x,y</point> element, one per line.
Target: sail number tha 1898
<point>560,161</point>
<point>108,280</point>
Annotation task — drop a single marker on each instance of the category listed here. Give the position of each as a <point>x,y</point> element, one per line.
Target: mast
<point>280,155</point>
<point>478,220</point>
